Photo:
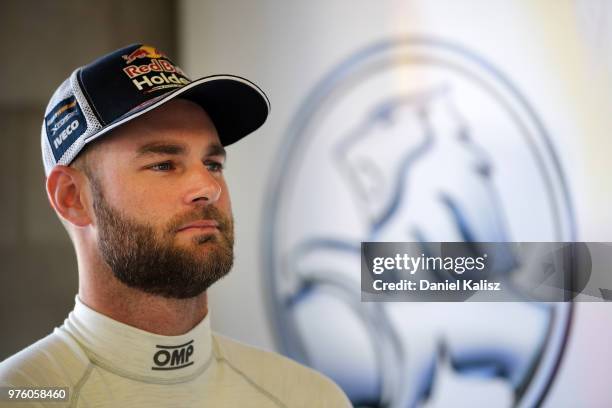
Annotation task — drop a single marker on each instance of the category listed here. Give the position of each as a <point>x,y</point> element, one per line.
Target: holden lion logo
<point>415,141</point>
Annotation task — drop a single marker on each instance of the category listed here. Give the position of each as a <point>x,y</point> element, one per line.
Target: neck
<point>102,292</point>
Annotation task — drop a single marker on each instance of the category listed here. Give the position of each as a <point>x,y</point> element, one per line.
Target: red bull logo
<point>155,73</point>
<point>156,65</point>
<point>145,51</point>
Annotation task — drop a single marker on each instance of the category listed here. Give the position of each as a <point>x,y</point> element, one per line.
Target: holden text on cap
<point>142,81</point>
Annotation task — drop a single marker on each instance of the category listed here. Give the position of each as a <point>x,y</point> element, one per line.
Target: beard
<point>143,259</point>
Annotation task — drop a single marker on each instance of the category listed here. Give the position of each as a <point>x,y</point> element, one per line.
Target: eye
<point>214,166</point>
<point>165,166</point>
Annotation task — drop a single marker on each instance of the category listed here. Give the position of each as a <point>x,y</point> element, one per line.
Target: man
<point>134,152</point>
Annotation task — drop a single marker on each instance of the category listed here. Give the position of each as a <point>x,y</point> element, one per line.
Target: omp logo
<point>173,357</point>
<point>65,133</point>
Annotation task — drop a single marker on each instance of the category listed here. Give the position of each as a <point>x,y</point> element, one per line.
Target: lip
<point>200,225</point>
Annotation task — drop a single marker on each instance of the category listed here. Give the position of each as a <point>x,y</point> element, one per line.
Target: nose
<point>203,187</point>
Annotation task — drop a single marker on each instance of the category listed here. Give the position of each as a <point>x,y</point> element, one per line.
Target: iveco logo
<point>65,133</point>
<point>414,140</point>
<point>173,357</point>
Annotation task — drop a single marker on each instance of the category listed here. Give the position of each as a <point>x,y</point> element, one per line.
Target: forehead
<point>178,121</point>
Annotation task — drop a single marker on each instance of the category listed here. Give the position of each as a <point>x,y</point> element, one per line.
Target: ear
<point>67,190</point>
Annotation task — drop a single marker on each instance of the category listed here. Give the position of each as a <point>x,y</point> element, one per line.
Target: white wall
<point>288,46</point>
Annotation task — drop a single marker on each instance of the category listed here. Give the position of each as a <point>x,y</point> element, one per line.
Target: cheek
<point>140,201</point>
<point>224,202</point>
<point>147,202</point>
<point>151,202</point>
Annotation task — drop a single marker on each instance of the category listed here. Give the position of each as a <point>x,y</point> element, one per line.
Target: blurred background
<point>518,90</point>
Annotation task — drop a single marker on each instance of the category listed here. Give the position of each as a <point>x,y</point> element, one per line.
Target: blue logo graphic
<point>414,140</point>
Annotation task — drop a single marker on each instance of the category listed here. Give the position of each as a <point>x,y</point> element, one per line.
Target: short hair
<point>83,162</point>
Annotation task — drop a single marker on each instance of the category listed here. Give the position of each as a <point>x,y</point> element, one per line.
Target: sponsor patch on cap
<point>150,70</point>
<point>64,124</point>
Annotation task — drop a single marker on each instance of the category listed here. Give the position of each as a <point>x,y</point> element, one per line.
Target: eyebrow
<point>161,148</point>
<point>176,149</point>
<point>216,150</point>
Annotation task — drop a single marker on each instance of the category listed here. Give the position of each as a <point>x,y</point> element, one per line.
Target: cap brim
<point>236,106</point>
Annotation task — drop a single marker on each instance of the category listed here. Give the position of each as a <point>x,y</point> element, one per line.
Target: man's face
<point>162,208</point>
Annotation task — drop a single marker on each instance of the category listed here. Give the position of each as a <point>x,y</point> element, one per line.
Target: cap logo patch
<point>146,51</point>
<point>64,124</point>
<point>155,73</point>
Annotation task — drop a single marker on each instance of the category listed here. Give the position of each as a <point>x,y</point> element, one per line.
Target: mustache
<point>204,213</point>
